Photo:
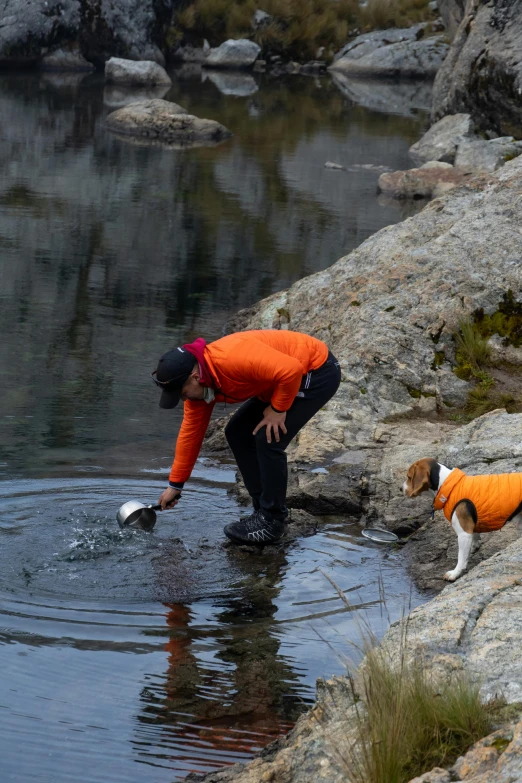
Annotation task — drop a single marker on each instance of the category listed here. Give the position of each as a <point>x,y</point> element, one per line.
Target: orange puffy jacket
<point>267,364</point>
<point>495,497</point>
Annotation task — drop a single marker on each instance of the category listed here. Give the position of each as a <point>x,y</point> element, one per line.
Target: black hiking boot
<point>256,530</point>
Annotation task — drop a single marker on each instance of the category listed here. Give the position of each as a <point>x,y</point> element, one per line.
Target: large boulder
<point>165,122</point>
<point>67,58</point>
<point>480,155</point>
<point>440,142</point>
<point>368,42</point>
<point>420,59</point>
<point>240,54</point>
<point>32,29</point>
<point>430,180</point>
<point>482,74</point>
<point>143,73</point>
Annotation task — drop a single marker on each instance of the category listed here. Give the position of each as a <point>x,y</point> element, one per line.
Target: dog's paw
<point>450,576</point>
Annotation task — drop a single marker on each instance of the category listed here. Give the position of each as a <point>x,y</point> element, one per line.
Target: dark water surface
<point>135,657</point>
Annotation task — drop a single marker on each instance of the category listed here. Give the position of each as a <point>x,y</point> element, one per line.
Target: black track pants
<point>262,464</point>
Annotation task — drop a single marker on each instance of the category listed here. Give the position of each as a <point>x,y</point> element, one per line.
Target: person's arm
<point>196,417</point>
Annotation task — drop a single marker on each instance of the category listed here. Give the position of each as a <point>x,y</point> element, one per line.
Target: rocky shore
<point>390,311</point>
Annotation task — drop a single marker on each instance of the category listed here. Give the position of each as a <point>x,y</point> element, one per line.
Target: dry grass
<point>299,27</point>
<point>408,723</point>
<point>382,14</point>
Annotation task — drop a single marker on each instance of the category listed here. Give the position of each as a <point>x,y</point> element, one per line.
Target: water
<point>136,656</point>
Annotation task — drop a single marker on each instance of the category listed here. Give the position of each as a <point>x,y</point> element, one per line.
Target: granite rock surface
<point>482,73</point>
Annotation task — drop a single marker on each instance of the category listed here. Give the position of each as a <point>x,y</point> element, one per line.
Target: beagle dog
<point>473,504</point>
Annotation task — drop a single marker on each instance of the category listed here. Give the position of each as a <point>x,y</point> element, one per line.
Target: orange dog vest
<point>495,497</point>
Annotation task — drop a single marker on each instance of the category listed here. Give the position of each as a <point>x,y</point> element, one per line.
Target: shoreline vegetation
<point>297,29</point>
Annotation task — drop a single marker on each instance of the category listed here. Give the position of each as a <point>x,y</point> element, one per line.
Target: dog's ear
<point>418,479</point>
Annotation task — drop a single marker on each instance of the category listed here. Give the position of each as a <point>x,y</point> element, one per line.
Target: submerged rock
<point>430,180</point>
<point>417,58</point>
<point>440,142</point>
<point>240,54</point>
<point>482,74</point>
<point>142,73</point>
<point>158,120</point>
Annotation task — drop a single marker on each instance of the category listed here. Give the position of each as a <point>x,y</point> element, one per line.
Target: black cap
<point>173,369</point>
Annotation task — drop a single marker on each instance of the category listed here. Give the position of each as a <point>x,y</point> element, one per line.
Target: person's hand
<point>169,498</point>
<point>273,422</point>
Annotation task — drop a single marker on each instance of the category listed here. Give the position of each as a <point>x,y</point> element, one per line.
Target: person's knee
<point>262,445</point>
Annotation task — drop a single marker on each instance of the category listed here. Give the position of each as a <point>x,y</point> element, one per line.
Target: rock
<point>159,120</point>
<point>437,775</point>
<point>452,12</point>
<point>482,74</point>
<point>144,73</point>
<point>238,84</point>
<point>336,166</point>
<point>479,155</point>
<point>30,29</point>
<point>421,58</point>
<point>233,54</point>
<point>66,59</point>
<point>369,42</point>
<point>440,142</point>
<point>404,98</point>
<point>261,19</point>
<point>431,179</point>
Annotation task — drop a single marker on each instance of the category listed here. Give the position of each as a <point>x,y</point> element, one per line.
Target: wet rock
<point>143,73</point>
<point>404,98</point>
<point>261,19</point>
<point>67,58</point>
<point>480,155</point>
<point>441,141</point>
<point>167,122</point>
<point>482,74</point>
<point>415,59</point>
<point>334,166</point>
<point>313,67</point>
<point>368,42</point>
<point>239,84</point>
<point>430,180</point>
<point>240,54</point>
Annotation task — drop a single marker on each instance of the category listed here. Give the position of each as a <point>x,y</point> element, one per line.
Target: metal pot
<point>135,514</point>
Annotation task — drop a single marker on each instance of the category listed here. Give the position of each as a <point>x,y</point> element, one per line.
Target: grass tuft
<point>472,350</point>
<point>383,14</point>
<point>408,722</point>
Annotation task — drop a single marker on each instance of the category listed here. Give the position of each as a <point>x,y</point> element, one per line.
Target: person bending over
<point>282,377</point>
